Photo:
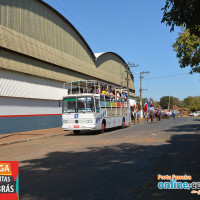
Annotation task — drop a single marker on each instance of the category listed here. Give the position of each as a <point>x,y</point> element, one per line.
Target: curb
<point>31,139</point>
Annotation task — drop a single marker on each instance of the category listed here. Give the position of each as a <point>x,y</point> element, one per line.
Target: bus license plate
<point>76,126</point>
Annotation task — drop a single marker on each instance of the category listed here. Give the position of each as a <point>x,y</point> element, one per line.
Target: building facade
<point>39,51</point>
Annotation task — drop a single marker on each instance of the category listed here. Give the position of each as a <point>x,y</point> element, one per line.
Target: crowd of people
<point>152,114</point>
<point>112,94</point>
<point>104,92</point>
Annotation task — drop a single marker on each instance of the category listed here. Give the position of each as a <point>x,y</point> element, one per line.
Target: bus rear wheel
<point>123,123</point>
<point>76,132</point>
<point>102,130</point>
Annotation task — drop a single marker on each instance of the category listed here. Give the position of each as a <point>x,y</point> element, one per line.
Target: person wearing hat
<point>151,111</point>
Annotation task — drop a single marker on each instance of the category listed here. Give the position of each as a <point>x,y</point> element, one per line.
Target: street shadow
<point>118,172</point>
<point>185,128</point>
<point>88,132</point>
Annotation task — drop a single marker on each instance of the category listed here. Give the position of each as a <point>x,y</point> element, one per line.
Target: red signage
<point>9,180</point>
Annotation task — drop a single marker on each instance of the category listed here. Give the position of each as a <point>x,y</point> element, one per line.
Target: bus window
<point>97,105</point>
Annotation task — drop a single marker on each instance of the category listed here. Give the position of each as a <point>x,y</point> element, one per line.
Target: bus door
<point>98,113</point>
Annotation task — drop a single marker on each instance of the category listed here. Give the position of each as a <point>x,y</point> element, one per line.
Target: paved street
<point>119,164</point>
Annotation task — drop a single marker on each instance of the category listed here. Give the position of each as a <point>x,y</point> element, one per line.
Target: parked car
<point>197,113</point>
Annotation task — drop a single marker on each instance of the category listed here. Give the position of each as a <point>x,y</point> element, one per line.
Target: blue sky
<point>133,29</point>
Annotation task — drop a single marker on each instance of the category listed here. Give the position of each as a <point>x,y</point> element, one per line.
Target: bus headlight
<point>65,121</point>
<point>89,121</point>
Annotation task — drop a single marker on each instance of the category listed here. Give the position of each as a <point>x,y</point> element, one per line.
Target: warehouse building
<point>39,51</point>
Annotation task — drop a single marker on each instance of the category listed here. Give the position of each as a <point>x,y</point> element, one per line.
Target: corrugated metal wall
<point>14,84</point>
<point>33,19</point>
<point>32,28</point>
<point>22,106</point>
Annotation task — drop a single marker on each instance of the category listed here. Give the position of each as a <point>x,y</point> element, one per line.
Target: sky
<point>133,30</point>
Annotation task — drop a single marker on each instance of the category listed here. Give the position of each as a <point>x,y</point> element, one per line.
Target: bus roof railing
<point>86,86</point>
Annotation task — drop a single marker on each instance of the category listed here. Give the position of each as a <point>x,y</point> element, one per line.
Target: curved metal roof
<point>97,55</point>
<point>62,17</point>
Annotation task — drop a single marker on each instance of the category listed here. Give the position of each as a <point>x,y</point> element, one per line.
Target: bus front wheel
<point>76,132</point>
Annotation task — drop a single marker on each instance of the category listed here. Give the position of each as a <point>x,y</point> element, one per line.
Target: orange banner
<point>5,169</point>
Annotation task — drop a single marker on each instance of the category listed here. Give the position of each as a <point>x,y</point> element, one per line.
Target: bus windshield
<point>85,104</point>
<point>78,104</point>
<point>69,105</point>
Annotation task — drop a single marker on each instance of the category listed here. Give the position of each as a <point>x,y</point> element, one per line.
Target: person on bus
<point>118,95</point>
<point>112,94</point>
<point>98,90</point>
<point>103,93</point>
<point>107,94</point>
<point>92,90</point>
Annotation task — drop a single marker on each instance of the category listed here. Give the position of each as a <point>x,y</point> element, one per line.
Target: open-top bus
<point>85,108</point>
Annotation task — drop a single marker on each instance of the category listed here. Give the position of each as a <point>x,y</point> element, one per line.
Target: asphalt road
<point>119,164</point>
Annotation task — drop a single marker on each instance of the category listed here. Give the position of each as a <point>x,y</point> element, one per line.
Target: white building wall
<point>22,106</point>
<point>13,84</point>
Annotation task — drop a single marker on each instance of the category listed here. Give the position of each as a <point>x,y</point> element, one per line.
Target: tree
<point>187,47</point>
<point>192,103</point>
<point>182,12</point>
<point>176,102</point>
<point>164,101</point>
<point>185,13</point>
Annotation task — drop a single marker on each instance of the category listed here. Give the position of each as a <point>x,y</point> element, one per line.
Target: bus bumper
<point>78,127</point>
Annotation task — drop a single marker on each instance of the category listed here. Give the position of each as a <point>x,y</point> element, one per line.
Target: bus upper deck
<point>106,91</point>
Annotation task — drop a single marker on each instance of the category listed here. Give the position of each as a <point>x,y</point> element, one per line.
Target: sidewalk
<point>12,138</point>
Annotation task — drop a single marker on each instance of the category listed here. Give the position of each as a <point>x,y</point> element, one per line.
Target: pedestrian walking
<point>181,113</point>
<point>138,115</point>
<point>173,114</point>
<point>169,114</point>
<point>135,114</point>
<point>151,112</point>
<point>132,115</point>
<point>166,114</point>
<point>177,112</point>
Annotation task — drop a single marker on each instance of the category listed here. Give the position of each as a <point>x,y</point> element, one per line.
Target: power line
<point>163,76</point>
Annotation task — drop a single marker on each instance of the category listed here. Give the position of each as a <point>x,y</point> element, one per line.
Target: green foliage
<point>182,12</point>
<point>173,101</point>
<point>164,102</point>
<point>192,103</point>
<point>187,47</point>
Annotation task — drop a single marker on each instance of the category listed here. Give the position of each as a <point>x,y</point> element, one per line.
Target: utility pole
<point>169,102</point>
<point>128,72</point>
<point>141,77</point>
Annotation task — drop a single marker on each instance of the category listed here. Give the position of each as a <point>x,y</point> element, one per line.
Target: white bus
<point>85,108</point>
